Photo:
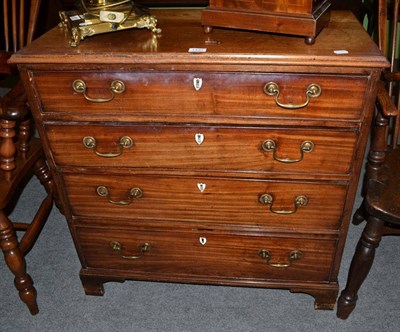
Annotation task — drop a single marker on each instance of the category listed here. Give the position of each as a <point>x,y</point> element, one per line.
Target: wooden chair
<point>381,205</point>
<point>19,152</point>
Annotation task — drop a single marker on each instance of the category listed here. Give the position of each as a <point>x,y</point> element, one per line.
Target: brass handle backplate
<point>117,246</point>
<point>125,142</point>
<point>272,89</point>
<point>268,199</point>
<point>133,193</point>
<point>293,256</point>
<point>270,145</point>
<point>116,86</point>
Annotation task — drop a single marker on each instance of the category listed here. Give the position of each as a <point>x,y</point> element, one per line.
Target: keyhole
<point>199,138</point>
<point>201,186</point>
<point>203,241</point>
<point>197,83</point>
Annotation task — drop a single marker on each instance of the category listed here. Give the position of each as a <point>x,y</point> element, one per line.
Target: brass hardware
<point>97,17</point>
<point>116,86</point>
<point>133,193</point>
<point>293,255</point>
<point>125,142</point>
<point>91,5</point>
<point>270,145</point>
<point>267,199</point>
<point>272,89</point>
<point>112,16</point>
<point>117,246</point>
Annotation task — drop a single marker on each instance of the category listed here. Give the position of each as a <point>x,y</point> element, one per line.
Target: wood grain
<point>226,256</point>
<point>224,148</point>
<point>182,30</point>
<point>221,94</point>
<point>162,111</point>
<point>224,201</point>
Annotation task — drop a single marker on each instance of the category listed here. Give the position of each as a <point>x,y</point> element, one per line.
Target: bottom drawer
<point>206,254</point>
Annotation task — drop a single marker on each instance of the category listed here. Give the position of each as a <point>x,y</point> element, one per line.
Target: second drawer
<point>203,148</point>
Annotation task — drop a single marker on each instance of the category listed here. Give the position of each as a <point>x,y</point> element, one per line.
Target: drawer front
<point>203,148</point>
<point>271,6</point>
<point>202,93</point>
<point>207,254</point>
<point>255,203</point>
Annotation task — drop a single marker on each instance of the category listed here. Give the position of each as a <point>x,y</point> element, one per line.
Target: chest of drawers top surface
<point>343,43</point>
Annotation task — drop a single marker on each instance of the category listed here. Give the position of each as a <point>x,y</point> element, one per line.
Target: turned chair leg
<point>16,263</point>
<point>42,172</point>
<point>7,146</point>
<point>360,265</point>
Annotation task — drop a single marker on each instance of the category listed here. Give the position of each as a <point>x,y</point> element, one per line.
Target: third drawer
<point>130,199</point>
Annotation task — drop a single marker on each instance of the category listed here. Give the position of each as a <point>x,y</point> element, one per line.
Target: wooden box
<point>294,17</point>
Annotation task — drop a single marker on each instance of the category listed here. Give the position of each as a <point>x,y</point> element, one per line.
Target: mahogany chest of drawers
<point>229,158</point>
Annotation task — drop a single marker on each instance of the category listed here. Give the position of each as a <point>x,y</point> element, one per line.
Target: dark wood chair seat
<point>383,196</point>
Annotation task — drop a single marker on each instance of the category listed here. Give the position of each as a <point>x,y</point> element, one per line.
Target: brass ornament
<point>103,16</point>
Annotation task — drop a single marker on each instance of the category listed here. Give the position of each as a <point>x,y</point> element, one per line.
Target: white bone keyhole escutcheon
<point>199,138</point>
<point>197,83</point>
<point>202,240</point>
<point>201,186</point>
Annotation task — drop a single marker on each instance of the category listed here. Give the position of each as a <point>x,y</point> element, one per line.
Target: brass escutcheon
<point>270,145</point>
<point>117,246</point>
<point>268,199</point>
<point>293,256</point>
<point>124,142</point>
<point>272,89</point>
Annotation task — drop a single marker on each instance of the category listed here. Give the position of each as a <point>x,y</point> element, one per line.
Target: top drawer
<point>203,94</point>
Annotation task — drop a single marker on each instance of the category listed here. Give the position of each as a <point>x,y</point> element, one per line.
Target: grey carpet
<point>151,306</point>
